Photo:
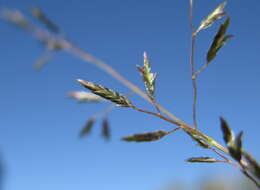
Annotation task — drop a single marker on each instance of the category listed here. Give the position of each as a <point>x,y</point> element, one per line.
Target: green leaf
<point>219,40</point>
<point>146,137</point>
<point>106,129</point>
<point>148,77</point>
<point>227,133</point>
<point>45,20</point>
<point>106,93</point>
<point>87,127</point>
<point>212,17</point>
<point>202,160</point>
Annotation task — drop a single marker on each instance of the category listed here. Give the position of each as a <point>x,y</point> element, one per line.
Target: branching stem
<point>54,41</point>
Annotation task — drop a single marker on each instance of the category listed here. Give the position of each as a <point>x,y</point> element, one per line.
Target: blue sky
<point>39,125</point>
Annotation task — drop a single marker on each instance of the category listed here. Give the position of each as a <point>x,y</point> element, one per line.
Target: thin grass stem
<point>192,65</point>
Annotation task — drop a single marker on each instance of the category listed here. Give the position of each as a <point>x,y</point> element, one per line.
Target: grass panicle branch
<point>54,42</point>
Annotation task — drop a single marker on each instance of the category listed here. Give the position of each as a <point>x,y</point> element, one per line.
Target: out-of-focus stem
<point>192,51</point>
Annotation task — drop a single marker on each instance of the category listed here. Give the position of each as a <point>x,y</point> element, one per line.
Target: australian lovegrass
<point>56,43</point>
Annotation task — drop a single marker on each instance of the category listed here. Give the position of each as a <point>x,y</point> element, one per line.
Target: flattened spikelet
<point>148,77</point>
<point>202,160</point>
<point>106,129</point>
<point>212,17</point>
<point>106,93</point>
<point>87,127</point>
<point>146,137</point>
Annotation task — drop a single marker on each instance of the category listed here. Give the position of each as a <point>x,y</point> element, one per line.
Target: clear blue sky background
<point>39,126</point>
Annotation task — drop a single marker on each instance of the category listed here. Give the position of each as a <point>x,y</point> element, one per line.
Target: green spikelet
<point>146,137</point>
<point>148,77</point>
<point>106,93</point>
